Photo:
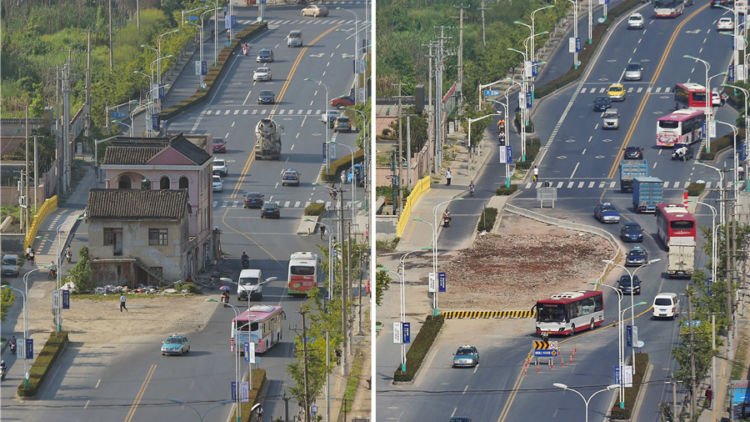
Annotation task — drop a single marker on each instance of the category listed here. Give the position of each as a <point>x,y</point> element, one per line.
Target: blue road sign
<point>66,299</point>
<point>617,374</point>
<point>234,21</point>
<point>325,152</point>
<point>193,18</point>
<point>162,92</point>
<point>406,332</point>
<point>578,44</point>
<point>246,350</point>
<point>234,391</point>
<point>117,115</point>
<point>442,281</point>
<point>29,348</point>
<point>491,92</point>
<point>548,353</point>
<point>529,101</point>
<point>204,67</point>
<point>155,122</point>
<point>535,69</point>
<point>629,330</point>
<point>731,73</point>
<point>509,155</point>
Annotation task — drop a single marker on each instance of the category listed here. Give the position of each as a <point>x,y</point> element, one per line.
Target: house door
<point>117,242</point>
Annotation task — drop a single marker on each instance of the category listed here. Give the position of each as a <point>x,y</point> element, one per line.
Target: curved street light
<point>586,401</point>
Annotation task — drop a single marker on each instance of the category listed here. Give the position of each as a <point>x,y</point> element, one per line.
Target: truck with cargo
<point>268,140</point>
<point>629,170</point>
<point>681,258</point>
<point>647,192</point>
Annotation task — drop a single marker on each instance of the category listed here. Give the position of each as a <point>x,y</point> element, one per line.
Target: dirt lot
<point>528,261</point>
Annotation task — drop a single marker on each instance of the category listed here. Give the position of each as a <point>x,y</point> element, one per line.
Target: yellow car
<point>616,92</point>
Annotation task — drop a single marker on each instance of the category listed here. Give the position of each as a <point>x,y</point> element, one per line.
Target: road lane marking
<point>86,406</point>
<point>647,95</point>
<point>574,170</point>
<point>141,392</point>
<point>99,381</point>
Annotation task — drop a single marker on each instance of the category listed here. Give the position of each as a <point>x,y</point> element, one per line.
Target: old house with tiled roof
<point>168,164</point>
<point>139,236</point>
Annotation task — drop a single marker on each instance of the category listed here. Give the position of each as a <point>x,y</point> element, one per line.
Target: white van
<point>666,305</point>
<point>250,285</point>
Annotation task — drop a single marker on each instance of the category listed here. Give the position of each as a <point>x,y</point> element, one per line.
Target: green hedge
<point>720,144</point>
<point>419,348</point>
<point>533,145</point>
<point>487,219</point>
<point>259,378</point>
<point>6,302</point>
<point>315,209</point>
<point>214,72</point>
<point>43,363</point>
<point>641,364</point>
<point>695,189</point>
<point>341,164</point>
<point>503,191</point>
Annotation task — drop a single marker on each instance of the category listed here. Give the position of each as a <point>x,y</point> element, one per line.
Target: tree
<point>80,275</point>
<point>382,282</point>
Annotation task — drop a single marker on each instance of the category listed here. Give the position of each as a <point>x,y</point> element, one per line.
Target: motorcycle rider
<point>12,344</point>
<point>446,218</point>
<point>245,260</point>
<point>471,188</point>
<point>68,255</point>
<point>681,152</point>
<point>225,296</point>
<point>3,369</point>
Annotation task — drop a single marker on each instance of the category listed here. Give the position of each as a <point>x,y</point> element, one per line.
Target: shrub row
<point>419,348</point>
<point>6,302</point>
<point>214,72</point>
<point>641,364</point>
<point>43,363</point>
<point>315,209</point>
<point>259,378</point>
<point>695,189</point>
<point>720,144</point>
<point>503,191</point>
<point>341,164</point>
<point>517,123</point>
<point>487,219</point>
<point>533,145</point>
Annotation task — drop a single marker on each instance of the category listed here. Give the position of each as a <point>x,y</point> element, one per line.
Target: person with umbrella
<point>224,294</point>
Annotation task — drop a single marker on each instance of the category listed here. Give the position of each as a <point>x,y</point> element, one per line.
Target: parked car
<point>624,285</point>
<point>175,345</point>
<point>217,184</point>
<point>219,145</point>
<point>11,265</point>
<point>266,97</point>
<point>611,119</point>
<point>607,213</point>
<point>466,356</point>
<point>270,210</point>
<point>265,55</point>
<point>633,153</point>
<point>290,177</point>
<point>220,167</point>
<point>635,21</point>
<point>602,103</point>
<point>342,101</point>
<point>631,232</point>
<point>262,73</point>
<point>616,92</point>
<point>294,39</point>
<point>633,72</point>
<point>315,10</point>
<point>253,200</point>
<point>342,124</point>
<point>636,257</point>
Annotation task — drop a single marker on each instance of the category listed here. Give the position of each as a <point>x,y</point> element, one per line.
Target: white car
<point>725,24</point>
<point>332,116</point>
<point>220,167</point>
<point>635,21</point>
<point>717,99</point>
<point>217,184</point>
<point>611,119</point>
<point>262,74</point>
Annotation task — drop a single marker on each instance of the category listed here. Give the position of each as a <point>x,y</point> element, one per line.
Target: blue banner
<point>66,299</point>
<point>29,348</point>
<point>731,73</point>
<point>509,155</point>
<point>442,281</point>
<point>629,330</point>
<point>578,44</point>
<point>155,122</point>
<point>406,332</point>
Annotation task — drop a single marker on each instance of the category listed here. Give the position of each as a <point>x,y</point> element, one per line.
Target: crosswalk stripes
<point>288,204</point>
<point>264,111</point>
<point>613,184</point>
<point>630,89</point>
<point>305,21</point>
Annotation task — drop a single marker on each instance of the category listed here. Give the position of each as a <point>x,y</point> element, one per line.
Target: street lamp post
<point>403,302</point>
<point>523,125</point>
<point>356,51</point>
<point>470,121</point>
<point>158,63</point>
<point>707,109</point>
<point>620,335</point>
<point>575,33</point>
<point>25,333</point>
<point>721,190</point>
<point>96,154</point>
<point>632,294</point>
<point>735,162</point>
<point>216,16</point>
<point>586,401</point>
<point>747,127</point>
<point>506,136</point>
<point>480,93</point>
<point>434,252</point>
<point>713,239</point>
<point>365,143</point>
<point>328,156</point>
<point>201,417</point>
<point>354,181</point>
<point>238,403</point>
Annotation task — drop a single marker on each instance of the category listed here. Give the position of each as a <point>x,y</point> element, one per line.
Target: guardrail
<point>420,188</point>
<point>49,205</point>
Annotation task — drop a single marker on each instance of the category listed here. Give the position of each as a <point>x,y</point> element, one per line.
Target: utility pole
<point>400,152</point>
<point>66,124</point>
<point>87,124</point>
<point>304,359</point>
<point>482,8</point>
<point>286,406</point>
<point>111,59</point>
<point>408,151</point>
<point>36,173</point>
<point>430,121</point>
<point>460,82</point>
<point>728,274</point>
<point>26,174</point>
<point>693,386</point>
<point>344,332</point>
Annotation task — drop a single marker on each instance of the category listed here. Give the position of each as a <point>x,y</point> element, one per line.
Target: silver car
<point>294,39</point>
<point>611,119</point>
<point>633,72</point>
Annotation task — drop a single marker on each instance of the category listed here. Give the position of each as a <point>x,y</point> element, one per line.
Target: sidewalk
<point>60,227</point>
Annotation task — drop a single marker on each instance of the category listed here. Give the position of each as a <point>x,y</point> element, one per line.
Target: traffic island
<point>310,218</point>
<point>627,413</point>
<point>419,349</point>
<point>43,364</point>
<point>256,396</point>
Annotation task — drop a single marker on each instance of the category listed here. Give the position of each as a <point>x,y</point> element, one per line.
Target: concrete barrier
<point>49,205</point>
<point>420,188</point>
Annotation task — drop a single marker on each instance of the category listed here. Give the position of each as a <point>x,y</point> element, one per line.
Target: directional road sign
<point>541,345</point>
<point>549,353</point>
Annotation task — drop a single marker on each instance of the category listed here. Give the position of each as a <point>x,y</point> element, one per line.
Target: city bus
<point>668,8</point>
<point>261,324</point>
<point>304,273</point>
<point>690,95</point>
<point>680,127</point>
<point>570,312</point>
<point>674,220</point>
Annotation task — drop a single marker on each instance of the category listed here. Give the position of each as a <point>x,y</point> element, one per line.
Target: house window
<point>157,237</point>
<point>124,182</point>
<point>184,182</point>
<point>109,237</point>
<point>164,183</point>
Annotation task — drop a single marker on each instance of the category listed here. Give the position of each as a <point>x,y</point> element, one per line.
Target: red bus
<point>668,8</point>
<point>680,127</point>
<point>570,312</point>
<point>674,220</point>
<point>690,95</point>
<point>304,273</point>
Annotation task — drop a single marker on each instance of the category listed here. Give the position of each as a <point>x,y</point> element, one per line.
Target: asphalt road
<point>579,151</point>
<point>139,384</point>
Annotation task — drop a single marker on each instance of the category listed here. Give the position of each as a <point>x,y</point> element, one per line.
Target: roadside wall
<point>420,188</point>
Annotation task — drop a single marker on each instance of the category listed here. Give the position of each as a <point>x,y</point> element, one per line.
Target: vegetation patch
<point>641,364</point>
<point>487,219</point>
<point>315,209</point>
<point>352,383</point>
<point>695,189</point>
<point>43,363</point>
<point>340,165</point>
<point>6,302</point>
<point>419,348</point>
<point>720,144</point>
<point>533,145</point>
<point>259,378</point>
<point>503,191</point>
<point>387,245</point>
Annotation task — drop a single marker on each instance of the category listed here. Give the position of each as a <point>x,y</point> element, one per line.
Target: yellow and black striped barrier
<point>488,314</point>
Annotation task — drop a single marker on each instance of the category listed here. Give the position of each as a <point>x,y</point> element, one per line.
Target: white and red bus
<point>668,8</point>
<point>304,273</point>
<point>680,127</point>
<point>674,220</point>
<point>261,324</point>
<point>690,95</point>
<point>570,312</point>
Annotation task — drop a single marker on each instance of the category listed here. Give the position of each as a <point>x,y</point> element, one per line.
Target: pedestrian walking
<point>448,177</point>
<point>122,303</point>
<point>322,232</point>
<point>535,177</point>
<point>709,397</point>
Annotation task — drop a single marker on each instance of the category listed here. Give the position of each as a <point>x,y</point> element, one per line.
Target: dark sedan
<point>636,257</point>
<point>270,210</point>
<point>633,153</point>
<point>631,232</point>
<point>266,97</point>
<point>219,145</point>
<point>602,103</point>
<point>253,200</point>
<point>624,285</point>
<point>342,101</point>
